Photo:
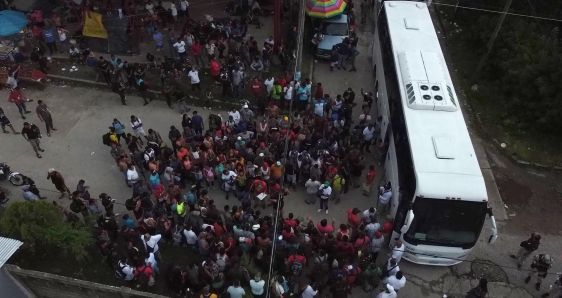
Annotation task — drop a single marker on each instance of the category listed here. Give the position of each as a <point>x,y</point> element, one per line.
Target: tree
<point>43,230</point>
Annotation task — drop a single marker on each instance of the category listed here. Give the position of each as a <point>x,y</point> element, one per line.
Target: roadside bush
<point>44,232</point>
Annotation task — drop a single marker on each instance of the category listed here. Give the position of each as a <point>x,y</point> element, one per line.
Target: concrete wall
<point>46,285</point>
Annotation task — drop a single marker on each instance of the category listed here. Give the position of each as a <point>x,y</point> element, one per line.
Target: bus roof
<point>442,153</point>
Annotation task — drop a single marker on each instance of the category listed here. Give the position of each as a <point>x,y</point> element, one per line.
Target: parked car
<point>334,31</point>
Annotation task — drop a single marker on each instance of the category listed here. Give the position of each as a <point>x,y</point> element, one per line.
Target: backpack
<point>106,140</point>
<point>119,271</point>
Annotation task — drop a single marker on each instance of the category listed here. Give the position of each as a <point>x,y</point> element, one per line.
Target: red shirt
<point>218,230</point>
<point>327,229</point>
<point>16,96</point>
<point>297,258</point>
<point>215,68</point>
<point>256,87</point>
<point>259,186</point>
<point>371,176</point>
<point>196,49</point>
<point>353,219</point>
<point>290,222</point>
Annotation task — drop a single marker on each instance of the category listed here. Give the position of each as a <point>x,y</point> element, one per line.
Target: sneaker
<point>326,211</point>
<point>527,279</point>
<point>319,210</point>
<point>513,256</point>
<point>39,156</point>
<point>538,286</point>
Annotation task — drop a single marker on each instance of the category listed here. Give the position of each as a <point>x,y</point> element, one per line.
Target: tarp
<point>93,25</point>
<point>11,22</point>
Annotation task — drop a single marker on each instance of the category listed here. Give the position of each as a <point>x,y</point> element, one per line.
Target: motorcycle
<point>15,178</point>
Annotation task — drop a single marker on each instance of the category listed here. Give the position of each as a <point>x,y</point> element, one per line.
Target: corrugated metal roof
<point>7,248</point>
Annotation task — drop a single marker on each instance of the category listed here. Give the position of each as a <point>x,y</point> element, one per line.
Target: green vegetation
<point>44,232</point>
<point>517,94</point>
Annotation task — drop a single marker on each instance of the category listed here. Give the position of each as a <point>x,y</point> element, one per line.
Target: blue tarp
<point>11,22</point>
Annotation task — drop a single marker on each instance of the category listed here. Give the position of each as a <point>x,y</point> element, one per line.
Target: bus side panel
<point>391,172</point>
<point>380,83</point>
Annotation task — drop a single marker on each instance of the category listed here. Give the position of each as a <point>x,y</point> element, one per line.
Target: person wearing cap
<point>324,192</point>
<point>32,134</point>
<point>388,292</point>
<point>540,266</point>
<point>57,179</point>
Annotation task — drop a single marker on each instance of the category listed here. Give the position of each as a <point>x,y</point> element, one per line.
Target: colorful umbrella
<point>11,22</point>
<point>325,8</point>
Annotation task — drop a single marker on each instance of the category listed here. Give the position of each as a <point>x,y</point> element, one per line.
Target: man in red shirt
<point>296,262</point>
<point>17,97</point>
<point>214,68</point>
<point>354,217</point>
<point>369,180</point>
<point>290,221</point>
<point>256,87</point>
<point>325,228</point>
<point>258,186</point>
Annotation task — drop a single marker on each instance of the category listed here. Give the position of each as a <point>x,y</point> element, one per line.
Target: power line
<point>499,12</point>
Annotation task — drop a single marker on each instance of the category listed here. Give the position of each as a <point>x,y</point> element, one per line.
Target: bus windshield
<point>446,222</point>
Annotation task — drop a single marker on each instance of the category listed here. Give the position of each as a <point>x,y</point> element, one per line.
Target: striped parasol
<point>325,8</point>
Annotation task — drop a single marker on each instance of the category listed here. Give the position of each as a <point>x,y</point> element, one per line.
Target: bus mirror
<point>407,222</point>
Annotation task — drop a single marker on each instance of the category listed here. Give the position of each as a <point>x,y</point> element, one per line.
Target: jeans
<point>21,107</point>
<point>49,124</point>
<point>324,204</point>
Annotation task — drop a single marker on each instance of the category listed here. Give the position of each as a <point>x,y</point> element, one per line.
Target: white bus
<point>439,201</point>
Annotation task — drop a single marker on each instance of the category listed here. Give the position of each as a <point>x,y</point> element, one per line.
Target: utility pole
<point>492,40</point>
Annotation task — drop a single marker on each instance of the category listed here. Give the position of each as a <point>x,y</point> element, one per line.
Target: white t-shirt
<point>150,7</point>
<point>132,175</point>
<point>269,85</point>
<point>127,270</point>
<point>319,108</point>
<point>235,116</point>
<point>173,10</point>
<point>194,76</point>
<point>312,186</point>
<point>236,292</point>
<point>180,46</point>
<point>393,269</point>
<point>396,283</point>
<point>62,35</point>
<point>190,237</point>
<point>384,198</point>
<point>384,294</point>
<point>184,5</point>
<point>288,90</point>
<point>326,192</point>
<point>397,252</point>
<point>152,260</point>
<point>368,134</point>
<point>257,286</point>
<point>376,244</point>
<point>309,292</point>
<point>152,242</point>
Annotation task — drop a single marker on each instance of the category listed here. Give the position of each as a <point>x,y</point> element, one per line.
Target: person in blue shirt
<point>50,38</point>
<point>302,96</point>
<point>119,129</point>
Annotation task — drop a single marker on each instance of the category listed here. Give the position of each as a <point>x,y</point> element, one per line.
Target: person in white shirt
<point>392,267</point>
<point>151,242</point>
<point>127,270</point>
<point>269,85</point>
<point>150,260</point>
<point>312,190</point>
<point>190,237</point>
<point>389,292</point>
<point>174,11</point>
<point>369,215</point>
<point>236,291</point>
<point>288,91</point>
<point>132,175</point>
<point>257,286</point>
<point>227,179</point>
<point>371,228</point>
<point>278,290</point>
<point>184,8</point>
<point>376,244</point>
<point>179,45</point>
<point>235,115</point>
<point>193,76</point>
<point>368,136</point>
<point>397,281</point>
<point>149,7</point>
<point>385,194</point>
<point>325,191</point>
<point>398,250</point>
<point>309,292</point>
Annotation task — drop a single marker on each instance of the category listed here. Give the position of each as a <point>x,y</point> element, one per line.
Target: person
<point>540,266</point>
<point>132,175</point>
<point>257,286</point>
<point>388,292</point>
<point>526,248</point>
<point>17,97</point>
<point>398,250</point>
<point>136,125</point>
<point>235,290</point>
<point>28,194</point>
<point>324,192</point>
<point>397,281</point>
<point>197,123</point>
<point>150,243</point>
<point>193,75</point>
<point>120,89</point>
<point>184,8</point>
<point>479,291</point>
<point>376,245</point>
<point>385,194</point>
<point>391,267</point>
<point>179,45</point>
<point>309,292</point>
<point>32,134</point>
<point>44,115</point>
<point>58,180</point>
<point>369,180</point>
<point>368,136</point>
<point>4,121</point>
<point>119,129</point>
